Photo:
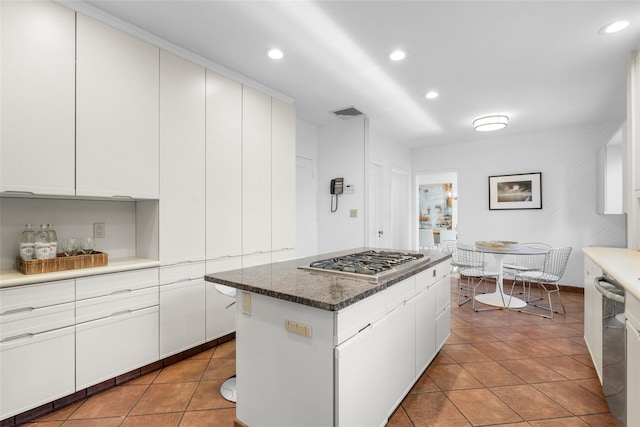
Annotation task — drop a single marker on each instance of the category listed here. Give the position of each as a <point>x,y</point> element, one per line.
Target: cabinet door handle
<point>17,311</point>
<point>17,337</point>
<point>120,313</point>
<point>121,291</point>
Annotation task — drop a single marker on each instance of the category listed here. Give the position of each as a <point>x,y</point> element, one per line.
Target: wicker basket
<point>60,263</point>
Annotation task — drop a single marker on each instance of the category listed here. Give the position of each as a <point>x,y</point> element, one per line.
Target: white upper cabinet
<point>38,98</point>
<point>256,172</point>
<point>117,113</point>
<point>224,167</point>
<point>182,160</point>
<point>283,178</point>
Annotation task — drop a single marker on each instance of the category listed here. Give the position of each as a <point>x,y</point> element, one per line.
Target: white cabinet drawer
<point>426,278</point>
<point>115,304</point>
<point>109,347</point>
<point>108,284</point>
<point>35,370</point>
<point>368,311</point>
<point>443,295</point>
<point>33,321</point>
<point>176,273</point>
<point>20,298</point>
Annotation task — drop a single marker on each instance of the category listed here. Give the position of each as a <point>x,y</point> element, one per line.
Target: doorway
<point>436,205</point>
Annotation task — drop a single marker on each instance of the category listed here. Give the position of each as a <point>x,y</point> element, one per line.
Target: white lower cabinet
<point>115,345</point>
<point>116,324</point>
<point>593,314</point>
<point>374,369</point>
<point>182,308</point>
<point>443,310</point>
<point>346,368</point>
<point>220,300</point>
<point>632,312</point>
<point>37,348</point>
<point>425,332</point>
<point>36,369</point>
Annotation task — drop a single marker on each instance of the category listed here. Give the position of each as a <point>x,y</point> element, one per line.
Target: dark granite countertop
<point>326,291</point>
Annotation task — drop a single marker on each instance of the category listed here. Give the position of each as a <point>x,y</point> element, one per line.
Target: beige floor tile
<point>452,377</point>
<point>433,410</point>
<point>531,370</point>
<point>113,402</point>
<point>219,369</point>
<point>207,396</point>
<point>530,403</point>
<point>465,353</point>
<point>481,407</point>
<point>498,350</point>
<point>575,398</point>
<point>95,422</point>
<point>399,418</point>
<point>162,398</point>
<point>568,367</point>
<point>210,418</point>
<point>156,420</point>
<point>187,370</point>
<point>492,374</point>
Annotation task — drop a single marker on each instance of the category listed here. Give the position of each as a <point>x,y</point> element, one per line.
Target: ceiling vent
<point>347,113</point>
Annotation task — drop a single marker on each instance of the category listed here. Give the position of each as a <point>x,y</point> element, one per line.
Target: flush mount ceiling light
<point>489,123</point>
<point>432,94</point>
<point>397,55</point>
<point>614,27</point>
<point>274,53</point>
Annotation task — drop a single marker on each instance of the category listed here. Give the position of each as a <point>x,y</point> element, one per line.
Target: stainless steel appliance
<point>371,264</point>
<point>613,346</point>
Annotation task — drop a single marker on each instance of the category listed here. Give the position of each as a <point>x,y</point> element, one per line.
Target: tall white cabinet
<point>182,160</point>
<point>224,167</point>
<point>116,113</point>
<point>38,98</point>
<point>182,204</point>
<point>283,178</point>
<point>256,177</point>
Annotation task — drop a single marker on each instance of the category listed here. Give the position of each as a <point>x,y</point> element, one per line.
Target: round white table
<point>499,298</point>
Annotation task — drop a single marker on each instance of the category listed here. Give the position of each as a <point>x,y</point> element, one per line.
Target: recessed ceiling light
<point>489,123</point>
<point>398,55</point>
<point>431,94</point>
<point>614,27</point>
<point>275,53</point>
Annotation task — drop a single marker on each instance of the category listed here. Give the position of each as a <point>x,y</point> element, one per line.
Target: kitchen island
<point>326,349</point>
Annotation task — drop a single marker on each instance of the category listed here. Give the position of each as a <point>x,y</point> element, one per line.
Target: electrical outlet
<point>98,230</point>
<point>246,303</point>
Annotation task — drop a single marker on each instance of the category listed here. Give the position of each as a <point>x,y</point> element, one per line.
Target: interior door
<point>400,202</point>
<point>306,208</point>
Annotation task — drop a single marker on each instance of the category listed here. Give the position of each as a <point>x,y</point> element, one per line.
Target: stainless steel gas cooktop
<point>367,264</point>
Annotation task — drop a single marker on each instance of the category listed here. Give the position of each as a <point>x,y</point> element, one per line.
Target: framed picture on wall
<point>520,191</point>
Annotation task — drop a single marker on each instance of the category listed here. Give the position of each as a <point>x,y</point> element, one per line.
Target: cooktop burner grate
<point>368,263</point>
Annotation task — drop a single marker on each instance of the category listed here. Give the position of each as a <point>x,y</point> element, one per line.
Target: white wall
<point>341,154</point>
<point>70,218</point>
<point>567,160</point>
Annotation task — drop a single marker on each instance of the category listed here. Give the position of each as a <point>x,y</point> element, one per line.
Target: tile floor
<point>497,368</point>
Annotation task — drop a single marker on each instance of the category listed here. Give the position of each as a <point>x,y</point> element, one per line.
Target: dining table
<point>499,250</point>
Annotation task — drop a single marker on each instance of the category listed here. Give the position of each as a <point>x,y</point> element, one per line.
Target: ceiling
<point>542,63</point>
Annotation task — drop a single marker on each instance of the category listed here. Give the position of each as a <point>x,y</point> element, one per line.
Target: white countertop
<point>621,264</point>
<point>12,277</point>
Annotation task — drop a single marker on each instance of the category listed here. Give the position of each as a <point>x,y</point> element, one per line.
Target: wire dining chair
<point>522,263</point>
<point>472,268</point>
<point>555,263</point>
